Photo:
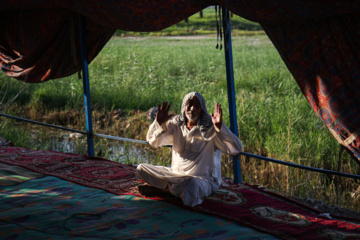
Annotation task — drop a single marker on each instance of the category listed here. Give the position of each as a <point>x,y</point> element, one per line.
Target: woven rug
<point>12,175</point>
<point>240,203</point>
<point>52,208</point>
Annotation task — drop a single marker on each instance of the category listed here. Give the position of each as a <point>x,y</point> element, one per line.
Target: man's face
<point>193,109</point>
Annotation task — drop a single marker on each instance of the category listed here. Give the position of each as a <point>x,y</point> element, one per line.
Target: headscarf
<point>205,124</point>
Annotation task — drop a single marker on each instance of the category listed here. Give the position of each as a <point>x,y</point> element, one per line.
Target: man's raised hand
<point>217,116</point>
<point>162,114</point>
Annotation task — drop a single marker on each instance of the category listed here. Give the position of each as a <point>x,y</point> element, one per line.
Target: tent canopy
<point>317,39</point>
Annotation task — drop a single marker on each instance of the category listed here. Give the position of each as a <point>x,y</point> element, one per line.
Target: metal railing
<point>290,164</point>
<point>325,171</point>
<point>74,130</point>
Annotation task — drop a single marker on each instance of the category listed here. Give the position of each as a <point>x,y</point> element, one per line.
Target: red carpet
<point>240,203</point>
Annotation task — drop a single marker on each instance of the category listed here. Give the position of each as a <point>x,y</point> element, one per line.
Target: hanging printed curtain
<point>39,39</point>
<point>38,45</point>
<point>317,39</point>
<point>323,56</point>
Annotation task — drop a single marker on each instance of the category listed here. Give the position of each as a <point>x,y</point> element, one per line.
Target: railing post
<point>231,88</point>
<point>86,84</point>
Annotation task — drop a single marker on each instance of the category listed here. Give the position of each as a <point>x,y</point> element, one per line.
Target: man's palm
<point>163,113</point>
<point>216,117</point>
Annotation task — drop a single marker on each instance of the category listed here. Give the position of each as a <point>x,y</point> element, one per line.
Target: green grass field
<point>274,118</point>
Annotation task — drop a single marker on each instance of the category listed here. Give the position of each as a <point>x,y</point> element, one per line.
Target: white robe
<point>196,164</point>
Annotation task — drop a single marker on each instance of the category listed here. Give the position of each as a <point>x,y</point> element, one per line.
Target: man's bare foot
<point>151,191</point>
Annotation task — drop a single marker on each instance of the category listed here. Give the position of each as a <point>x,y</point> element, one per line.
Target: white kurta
<point>196,164</point>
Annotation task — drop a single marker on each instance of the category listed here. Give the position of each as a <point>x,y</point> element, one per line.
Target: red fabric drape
<point>317,39</point>
<point>39,40</point>
<point>38,45</point>
<point>323,56</point>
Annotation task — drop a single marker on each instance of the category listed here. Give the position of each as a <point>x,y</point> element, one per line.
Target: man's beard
<point>192,116</point>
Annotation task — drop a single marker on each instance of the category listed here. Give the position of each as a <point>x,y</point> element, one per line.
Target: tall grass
<point>274,118</point>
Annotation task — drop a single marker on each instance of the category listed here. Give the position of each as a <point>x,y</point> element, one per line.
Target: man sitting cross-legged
<point>197,140</point>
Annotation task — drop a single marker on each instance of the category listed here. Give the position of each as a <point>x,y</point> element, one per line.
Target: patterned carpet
<point>239,203</point>
<point>52,208</point>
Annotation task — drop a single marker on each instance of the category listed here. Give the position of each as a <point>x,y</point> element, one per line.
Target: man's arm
<point>226,141</point>
<point>158,134</point>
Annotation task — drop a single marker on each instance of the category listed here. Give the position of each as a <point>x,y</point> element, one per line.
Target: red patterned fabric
<point>88,171</point>
<point>317,39</point>
<point>275,214</point>
<point>240,203</point>
<point>39,40</point>
<point>324,58</point>
<point>283,11</point>
<point>49,48</point>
